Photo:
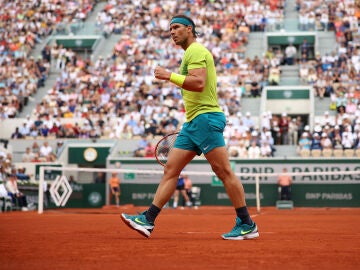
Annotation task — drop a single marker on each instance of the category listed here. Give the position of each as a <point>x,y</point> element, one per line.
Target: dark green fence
<point>304,195</point>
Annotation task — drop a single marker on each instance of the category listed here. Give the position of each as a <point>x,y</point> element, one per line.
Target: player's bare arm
<point>194,81</point>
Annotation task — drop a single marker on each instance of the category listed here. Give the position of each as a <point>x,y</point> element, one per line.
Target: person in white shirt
<point>24,130</point>
<point>248,121</point>
<point>45,149</point>
<point>290,53</point>
<point>28,156</point>
<point>16,195</point>
<point>254,150</point>
<point>347,140</point>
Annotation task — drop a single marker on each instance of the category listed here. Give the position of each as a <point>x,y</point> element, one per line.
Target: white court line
<point>260,232</point>
<point>252,216</point>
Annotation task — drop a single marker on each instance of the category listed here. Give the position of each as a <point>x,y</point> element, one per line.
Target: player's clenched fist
<point>161,73</point>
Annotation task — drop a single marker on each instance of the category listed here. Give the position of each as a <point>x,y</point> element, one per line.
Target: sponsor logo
<point>94,198</point>
<point>137,220</point>
<point>245,232</point>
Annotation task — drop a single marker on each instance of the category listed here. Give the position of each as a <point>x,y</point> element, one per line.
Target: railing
<point>78,27</point>
<point>289,25</point>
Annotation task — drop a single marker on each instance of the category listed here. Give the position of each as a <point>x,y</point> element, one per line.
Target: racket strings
<point>164,147</point>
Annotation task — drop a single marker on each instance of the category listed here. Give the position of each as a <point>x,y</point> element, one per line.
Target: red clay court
<point>302,238</point>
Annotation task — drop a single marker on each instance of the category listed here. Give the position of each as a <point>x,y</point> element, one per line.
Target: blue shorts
<point>181,187</point>
<point>203,133</point>
<point>115,189</point>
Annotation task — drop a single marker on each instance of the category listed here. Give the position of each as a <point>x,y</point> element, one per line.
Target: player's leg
<point>245,228</point>
<point>144,223</point>
<point>218,159</point>
<point>178,159</point>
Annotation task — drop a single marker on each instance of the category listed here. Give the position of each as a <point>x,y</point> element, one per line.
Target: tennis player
<point>201,133</point>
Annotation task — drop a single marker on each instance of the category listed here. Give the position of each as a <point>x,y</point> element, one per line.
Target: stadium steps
<point>326,42</point>
<point>91,19</point>
<point>256,45</point>
<point>284,151</point>
<point>291,16</point>
<point>98,7</point>
<point>289,75</point>
<point>42,91</point>
<point>290,10</point>
<point>105,47</point>
<point>322,105</point>
<point>250,104</point>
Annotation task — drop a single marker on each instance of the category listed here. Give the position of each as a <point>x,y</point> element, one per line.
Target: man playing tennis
<point>201,133</point>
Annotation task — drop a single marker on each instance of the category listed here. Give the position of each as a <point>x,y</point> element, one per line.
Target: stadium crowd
<point>115,96</point>
<point>23,25</point>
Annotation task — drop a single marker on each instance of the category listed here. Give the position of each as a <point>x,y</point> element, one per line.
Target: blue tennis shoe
<point>138,223</point>
<point>242,231</point>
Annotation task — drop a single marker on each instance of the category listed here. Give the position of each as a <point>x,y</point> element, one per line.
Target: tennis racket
<point>164,146</point>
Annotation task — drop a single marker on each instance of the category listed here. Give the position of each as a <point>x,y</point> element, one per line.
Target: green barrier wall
<point>77,43</point>
<point>304,195</point>
<point>83,196</point>
<point>77,155</point>
<point>296,39</point>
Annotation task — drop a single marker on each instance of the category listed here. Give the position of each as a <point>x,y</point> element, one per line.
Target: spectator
<point>325,141</point>
<point>149,150</point>
<point>18,197</point>
<point>248,121</point>
<point>142,144</point>
<point>100,178</point>
<point>347,140</point>
<point>44,130</point>
<point>59,147</point>
<point>35,148</point>
<point>284,128</point>
<point>254,150</point>
<point>28,156</point>
<point>316,142</point>
<point>45,150</point>
<point>265,149</point>
<point>293,132</point>
<point>16,134</point>
<point>284,183</point>
<point>34,133</point>
<point>305,49</point>
<point>24,130</point>
<point>255,89</point>
<point>21,175</point>
<point>304,142</point>
<point>114,183</point>
<point>3,175</point>
<point>188,187</point>
<point>290,53</point>
<point>336,138</point>
<point>37,158</point>
<point>274,75</point>
<point>180,188</point>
